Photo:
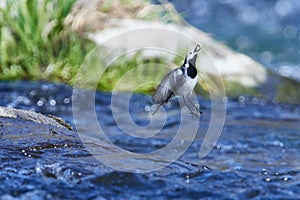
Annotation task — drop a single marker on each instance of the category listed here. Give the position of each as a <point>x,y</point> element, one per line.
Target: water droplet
<point>187,179</point>
<point>266,56</point>
<point>20,98</point>
<point>147,108</point>
<point>278,143</point>
<point>67,100</point>
<point>283,7</point>
<point>200,7</point>
<point>255,100</point>
<point>281,144</point>
<point>242,99</point>
<point>290,32</point>
<point>45,87</point>
<point>32,93</point>
<point>40,103</point>
<point>153,107</point>
<point>52,102</point>
<point>242,42</point>
<point>249,16</point>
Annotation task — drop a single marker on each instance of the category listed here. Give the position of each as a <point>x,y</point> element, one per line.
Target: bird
<point>180,82</point>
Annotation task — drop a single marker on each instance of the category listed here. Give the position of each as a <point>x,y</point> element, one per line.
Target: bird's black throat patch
<point>192,71</point>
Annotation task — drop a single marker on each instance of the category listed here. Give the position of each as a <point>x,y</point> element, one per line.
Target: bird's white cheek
<point>178,72</point>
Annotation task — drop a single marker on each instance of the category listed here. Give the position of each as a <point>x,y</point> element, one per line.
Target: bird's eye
<point>190,52</point>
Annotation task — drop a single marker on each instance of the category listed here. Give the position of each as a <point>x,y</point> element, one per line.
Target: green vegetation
<point>125,74</point>
<point>235,89</point>
<point>35,45</point>
<point>286,92</point>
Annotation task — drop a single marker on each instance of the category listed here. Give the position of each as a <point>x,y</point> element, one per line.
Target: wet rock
<point>28,115</point>
<point>33,131</point>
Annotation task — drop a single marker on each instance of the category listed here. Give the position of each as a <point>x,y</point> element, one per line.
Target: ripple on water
<point>257,155</point>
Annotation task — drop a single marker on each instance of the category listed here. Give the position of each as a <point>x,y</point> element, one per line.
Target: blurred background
<point>50,41</point>
<point>267,31</point>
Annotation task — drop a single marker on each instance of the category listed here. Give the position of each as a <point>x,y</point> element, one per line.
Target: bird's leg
<point>190,106</point>
<point>156,109</point>
<point>195,107</point>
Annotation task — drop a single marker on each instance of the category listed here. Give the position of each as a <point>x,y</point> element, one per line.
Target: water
<point>268,31</point>
<point>257,155</point>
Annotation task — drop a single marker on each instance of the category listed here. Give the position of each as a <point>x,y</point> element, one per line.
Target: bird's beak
<point>197,48</point>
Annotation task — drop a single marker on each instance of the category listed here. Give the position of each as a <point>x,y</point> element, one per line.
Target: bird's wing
<point>166,88</point>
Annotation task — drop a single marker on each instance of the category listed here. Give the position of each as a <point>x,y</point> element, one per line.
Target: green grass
<point>35,45</point>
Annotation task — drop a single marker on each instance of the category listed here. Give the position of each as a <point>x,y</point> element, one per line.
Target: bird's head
<point>191,56</point>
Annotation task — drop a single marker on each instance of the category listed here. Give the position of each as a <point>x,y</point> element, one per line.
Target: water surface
<point>257,155</point>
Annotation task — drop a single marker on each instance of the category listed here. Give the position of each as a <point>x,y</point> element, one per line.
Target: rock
<point>102,22</point>
<point>128,34</point>
<point>32,116</point>
<point>92,15</point>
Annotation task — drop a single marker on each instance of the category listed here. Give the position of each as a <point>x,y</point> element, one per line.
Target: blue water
<point>267,31</point>
<point>257,155</point>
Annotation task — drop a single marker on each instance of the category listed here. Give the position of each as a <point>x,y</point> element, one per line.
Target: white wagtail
<point>180,82</point>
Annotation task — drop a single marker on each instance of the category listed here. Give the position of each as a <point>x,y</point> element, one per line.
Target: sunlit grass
<point>35,45</point>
